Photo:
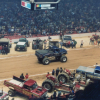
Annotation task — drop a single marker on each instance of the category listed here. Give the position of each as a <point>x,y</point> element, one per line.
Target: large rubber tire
<point>49,85</point>
<point>63,77</point>
<point>8,50</point>
<point>15,49</point>
<point>11,93</point>
<point>63,59</point>
<point>28,45</point>
<point>25,49</point>
<point>46,61</point>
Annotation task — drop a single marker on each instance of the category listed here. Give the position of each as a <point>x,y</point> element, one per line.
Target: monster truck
<point>66,39</point>
<point>22,44</point>
<point>3,95</point>
<point>4,42</point>
<point>54,43</point>
<point>53,53</point>
<point>91,73</point>
<point>38,43</point>
<point>26,87</point>
<point>52,83</point>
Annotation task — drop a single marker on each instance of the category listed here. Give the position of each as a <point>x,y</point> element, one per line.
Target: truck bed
<point>13,81</point>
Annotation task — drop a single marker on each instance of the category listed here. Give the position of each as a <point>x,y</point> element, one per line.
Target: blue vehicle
<point>53,53</point>
<point>91,73</point>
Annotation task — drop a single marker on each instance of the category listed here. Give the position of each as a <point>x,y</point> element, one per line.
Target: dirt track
<point>29,64</point>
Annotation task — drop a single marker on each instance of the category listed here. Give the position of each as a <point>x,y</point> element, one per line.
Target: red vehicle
<point>52,83</point>
<point>27,87</point>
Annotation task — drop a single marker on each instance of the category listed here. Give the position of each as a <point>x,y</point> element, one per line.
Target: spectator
<point>22,76</point>
<point>26,76</point>
<point>53,72</point>
<point>47,74</point>
<point>57,71</point>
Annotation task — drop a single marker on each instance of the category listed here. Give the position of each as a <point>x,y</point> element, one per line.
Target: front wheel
<point>46,61</point>
<point>63,59</point>
<point>11,93</point>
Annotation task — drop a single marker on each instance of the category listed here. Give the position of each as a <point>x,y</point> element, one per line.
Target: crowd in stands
<point>80,16</point>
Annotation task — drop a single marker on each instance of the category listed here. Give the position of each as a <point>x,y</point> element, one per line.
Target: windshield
<point>21,40</point>
<point>67,38</point>
<point>34,86</point>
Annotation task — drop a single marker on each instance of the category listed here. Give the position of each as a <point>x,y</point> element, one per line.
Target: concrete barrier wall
<point>57,36</point>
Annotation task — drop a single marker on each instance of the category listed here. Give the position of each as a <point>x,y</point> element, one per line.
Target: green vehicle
<point>22,44</point>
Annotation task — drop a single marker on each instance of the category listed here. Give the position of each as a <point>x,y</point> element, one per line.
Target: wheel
<point>63,77</point>
<point>15,49</point>
<point>11,93</point>
<point>28,45</point>
<point>46,61</point>
<point>49,85</point>
<point>25,49</point>
<point>8,50</point>
<point>63,59</point>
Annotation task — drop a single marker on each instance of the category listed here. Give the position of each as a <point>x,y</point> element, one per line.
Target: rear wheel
<point>63,59</point>
<point>46,61</point>
<point>15,49</point>
<point>63,77</point>
<point>11,93</point>
<point>25,49</point>
<point>49,85</point>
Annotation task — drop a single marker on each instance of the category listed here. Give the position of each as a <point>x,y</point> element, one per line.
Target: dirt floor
<point>26,62</point>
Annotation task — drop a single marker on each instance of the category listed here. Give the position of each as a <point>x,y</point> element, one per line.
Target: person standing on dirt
<point>6,49</point>
<point>0,49</point>
<point>72,44</point>
<point>22,76</point>
<point>26,76</point>
<point>57,71</point>
<point>61,70</point>
<point>54,94</point>
<point>45,42</point>
<point>53,72</point>
<point>81,44</point>
<point>61,44</point>
<point>75,42</point>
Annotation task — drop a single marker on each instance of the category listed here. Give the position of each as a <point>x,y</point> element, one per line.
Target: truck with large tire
<point>4,42</point>
<point>54,43</point>
<point>22,44</point>
<point>27,87</point>
<point>37,44</point>
<point>91,73</point>
<point>53,53</point>
<point>52,83</point>
<point>66,39</point>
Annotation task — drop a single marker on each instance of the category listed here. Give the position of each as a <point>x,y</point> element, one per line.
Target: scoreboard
<point>45,6</point>
<point>40,4</point>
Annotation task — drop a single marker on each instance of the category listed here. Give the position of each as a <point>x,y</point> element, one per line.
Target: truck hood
<point>40,91</point>
<point>63,50</point>
<point>21,43</point>
<point>43,52</point>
